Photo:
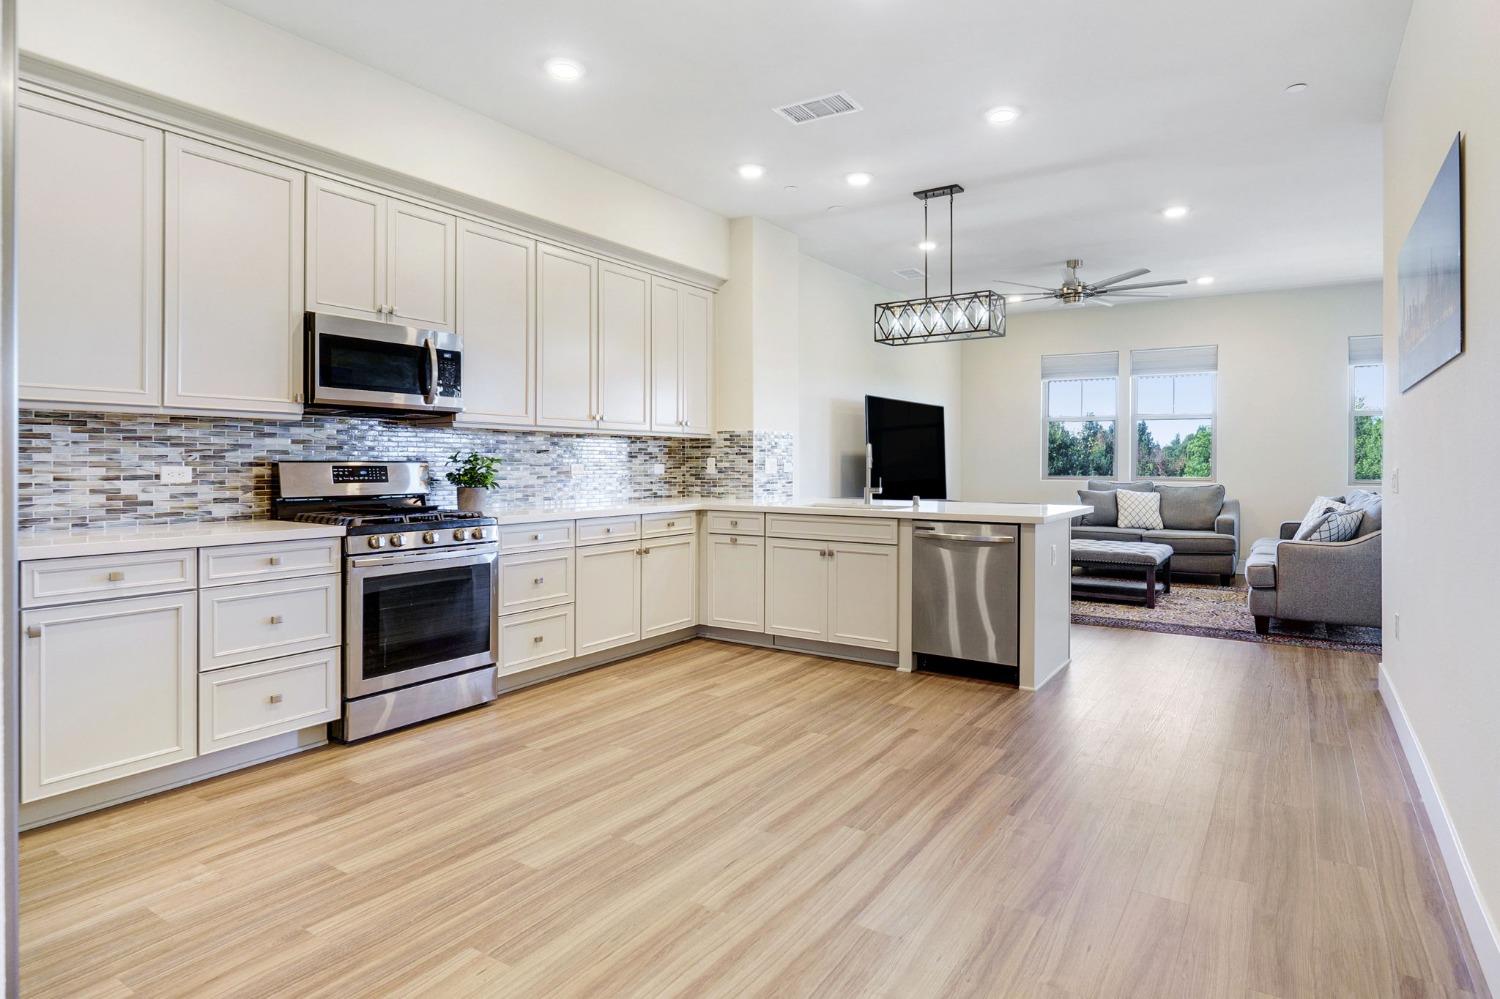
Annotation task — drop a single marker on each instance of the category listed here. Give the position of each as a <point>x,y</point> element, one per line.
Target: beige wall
<point>841,363</point>
<point>1282,392</point>
<point>1441,572</point>
<point>206,55</point>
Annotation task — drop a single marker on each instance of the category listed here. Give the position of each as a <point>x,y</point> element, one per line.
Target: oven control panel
<point>419,539</point>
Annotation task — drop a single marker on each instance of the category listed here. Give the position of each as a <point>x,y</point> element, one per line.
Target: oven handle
<point>470,556</point>
<point>432,372</point>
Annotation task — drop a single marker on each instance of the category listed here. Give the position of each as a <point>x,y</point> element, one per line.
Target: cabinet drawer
<point>536,639</point>
<point>245,703</point>
<point>736,523</point>
<point>536,579</point>
<point>254,621</point>
<point>273,560</point>
<point>660,525</point>
<point>872,530</point>
<point>48,582</point>
<point>531,537</point>
<point>601,529</point>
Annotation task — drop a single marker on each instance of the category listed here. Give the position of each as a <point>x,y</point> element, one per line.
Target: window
<point>1174,392</point>
<point>1079,397</point>
<point>1366,409</point>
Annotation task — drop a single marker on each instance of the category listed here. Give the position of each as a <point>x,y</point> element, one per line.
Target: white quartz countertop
<point>123,540</point>
<point>996,513</point>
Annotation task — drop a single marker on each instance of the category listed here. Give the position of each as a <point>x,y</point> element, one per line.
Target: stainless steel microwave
<point>363,363</point>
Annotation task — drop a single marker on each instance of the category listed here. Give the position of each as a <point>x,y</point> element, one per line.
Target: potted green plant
<point>474,474</point>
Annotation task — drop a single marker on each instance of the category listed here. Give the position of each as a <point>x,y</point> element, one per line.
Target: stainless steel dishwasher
<point>966,591</point>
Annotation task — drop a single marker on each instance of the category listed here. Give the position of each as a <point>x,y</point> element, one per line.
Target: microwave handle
<point>432,372</point>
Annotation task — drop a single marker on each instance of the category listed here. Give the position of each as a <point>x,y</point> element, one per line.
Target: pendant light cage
<point>970,315</point>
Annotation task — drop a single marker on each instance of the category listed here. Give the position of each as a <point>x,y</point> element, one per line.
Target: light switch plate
<point>770,464</point>
<point>711,466</point>
<point>658,468</point>
<point>175,475</point>
<point>576,470</point>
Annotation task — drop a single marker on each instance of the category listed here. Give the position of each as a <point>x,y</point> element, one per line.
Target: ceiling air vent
<point>819,107</point>
<point>911,273</point>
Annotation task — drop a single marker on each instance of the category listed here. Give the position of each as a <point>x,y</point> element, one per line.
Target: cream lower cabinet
<point>636,589</point>
<point>669,584</point>
<point>108,689</point>
<point>609,596</point>
<point>832,591</point>
<point>734,582</point>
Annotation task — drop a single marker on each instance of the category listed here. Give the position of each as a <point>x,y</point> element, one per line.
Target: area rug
<point>1219,612</point>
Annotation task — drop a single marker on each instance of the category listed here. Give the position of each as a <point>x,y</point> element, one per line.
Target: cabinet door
<point>666,356</point>
<point>565,362</point>
<point>88,255</point>
<point>797,588</point>
<point>669,585</point>
<point>497,317</point>
<point>697,361</point>
<point>346,236</point>
<point>108,689</point>
<point>624,348</point>
<point>420,275</point>
<point>233,286</point>
<point>608,604</point>
<point>862,587</point>
<point>734,590</point>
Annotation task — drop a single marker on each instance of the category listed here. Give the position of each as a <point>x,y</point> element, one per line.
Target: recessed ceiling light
<point>835,208</point>
<point>565,70</point>
<point>752,171</point>
<point>858,179</point>
<point>1296,88</point>
<point>927,246</point>
<point>1206,279</point>
<point>1002,115</point>
<point>1174,212</point>
<point>1014,299</point>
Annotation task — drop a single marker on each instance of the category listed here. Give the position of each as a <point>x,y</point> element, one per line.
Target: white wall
<point>1441,574</point>
<point>841,363</point>
<point>209,56</point>
<point>1282,393</point>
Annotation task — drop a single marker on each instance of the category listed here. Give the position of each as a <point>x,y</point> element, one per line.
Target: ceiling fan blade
<point>1120,277</point>
<point>1138,294</point>
<point>1137,287</point>
<point>1098,301</point>
<point>1021,284</point>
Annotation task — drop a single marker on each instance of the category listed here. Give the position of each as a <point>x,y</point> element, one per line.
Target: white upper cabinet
<point>566,363</point>
<point>233,281</point>
<point>346,234</point>
<point>419,284</point>
<point>497,319</point>
<point>666,356</point>
<point>376,257</point>
<point>624,350</point>
<point>89,255</point>
<point>697,360</point>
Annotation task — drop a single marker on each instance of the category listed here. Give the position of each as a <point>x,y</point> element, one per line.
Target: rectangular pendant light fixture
<point>969,315</point>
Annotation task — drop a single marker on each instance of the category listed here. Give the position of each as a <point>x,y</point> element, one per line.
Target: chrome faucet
<point>870,491</point>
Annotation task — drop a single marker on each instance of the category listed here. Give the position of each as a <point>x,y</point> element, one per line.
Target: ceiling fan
<point>1076,291</point>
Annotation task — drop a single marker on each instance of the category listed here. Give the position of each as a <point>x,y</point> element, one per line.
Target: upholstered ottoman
<point>1144,556</point>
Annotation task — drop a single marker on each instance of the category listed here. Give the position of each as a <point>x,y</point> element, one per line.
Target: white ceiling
<point>1129,106</point>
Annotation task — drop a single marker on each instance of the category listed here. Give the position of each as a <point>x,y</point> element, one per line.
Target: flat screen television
<point>906,439</point>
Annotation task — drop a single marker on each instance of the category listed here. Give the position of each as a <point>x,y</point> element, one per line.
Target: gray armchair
<point>1332,582</point>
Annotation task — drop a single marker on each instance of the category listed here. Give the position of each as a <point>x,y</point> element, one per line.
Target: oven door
<point>417,617</point>
<point>360,363</point>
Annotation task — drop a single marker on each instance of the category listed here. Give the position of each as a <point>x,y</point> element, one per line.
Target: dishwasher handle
<point>981,539</point>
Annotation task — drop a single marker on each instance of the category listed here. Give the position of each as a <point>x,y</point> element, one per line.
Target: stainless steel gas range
<point>419,591</point>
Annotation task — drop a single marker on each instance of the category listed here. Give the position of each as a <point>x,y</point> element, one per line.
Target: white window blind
<point>1365,350</point>
<point>1174,360</point>
<point>1105,364</point>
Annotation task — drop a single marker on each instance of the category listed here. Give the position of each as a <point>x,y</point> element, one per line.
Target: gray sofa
<point>1330,582</point>
<point>1200,525</point>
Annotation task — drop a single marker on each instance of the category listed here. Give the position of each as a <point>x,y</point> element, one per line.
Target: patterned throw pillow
<point>1139,510</point>
<point>1336,526</point>
<point>1317,514</point>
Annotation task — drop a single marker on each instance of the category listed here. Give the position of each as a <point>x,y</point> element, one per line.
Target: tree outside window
<point>1174,425</point>
<point>1367,421</point>
<point>1080,427</point>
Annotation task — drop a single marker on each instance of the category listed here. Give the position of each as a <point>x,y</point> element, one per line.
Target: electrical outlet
<point>576,470</point>
<point>175,475</point>
<point>658,468</point>
<point>770,464</point>
<point>1054,554</point>
<point>711,466</point>
<point>1396,480</point>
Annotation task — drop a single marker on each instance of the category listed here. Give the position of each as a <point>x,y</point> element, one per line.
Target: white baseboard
<point>1477,919</point>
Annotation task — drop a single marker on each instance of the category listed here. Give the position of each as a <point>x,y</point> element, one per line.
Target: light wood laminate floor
<point>1172,817</point>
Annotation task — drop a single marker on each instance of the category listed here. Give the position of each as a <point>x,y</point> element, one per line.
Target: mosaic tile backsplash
<point>83,470</point>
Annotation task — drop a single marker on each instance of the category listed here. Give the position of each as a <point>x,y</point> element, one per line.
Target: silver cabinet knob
<point>275,619</point>
<point>116,576</point>
<point>536,537</point>
<point>274,560</point>
<point>609,530</point>
<point>734,523</point>
<point>34,631</point>
<point>671,523</point>
<point>538,581</point>
<point>537,639</point>
<point>274,699</point>
<point>734,539</point>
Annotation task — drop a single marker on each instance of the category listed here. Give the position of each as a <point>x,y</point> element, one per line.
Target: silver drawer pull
<point>734,523</point>
<point>274,699</point>
<point>734,539</point>
<point>35,631</point>
<point>537,639</point>
<point>538,581</point>
<point>536,537</point>
<point>274,560</point>
<point>609,530</point>
<point>671,523</point>
<point>116,576</point>
<point>275,619</point>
